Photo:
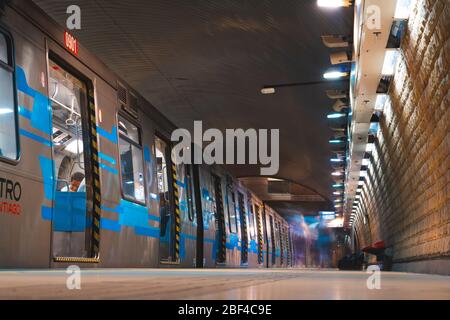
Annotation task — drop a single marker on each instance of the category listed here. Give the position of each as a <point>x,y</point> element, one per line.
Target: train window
<point>189,193</point>
<point>9,146</point>
<point>164,181</point>
<point>4,50</point>
<point>232,215</point>
<point>251,220</point>
<point>131,161</point>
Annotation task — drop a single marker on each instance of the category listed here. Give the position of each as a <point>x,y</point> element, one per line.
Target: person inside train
<point>75,181</point>
<point>164,213</point>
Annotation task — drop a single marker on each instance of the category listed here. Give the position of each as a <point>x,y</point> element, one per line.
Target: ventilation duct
<point>335,41</point>
<point>340,57</point>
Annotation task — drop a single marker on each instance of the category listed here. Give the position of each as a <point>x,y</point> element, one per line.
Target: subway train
<point>86,175</point>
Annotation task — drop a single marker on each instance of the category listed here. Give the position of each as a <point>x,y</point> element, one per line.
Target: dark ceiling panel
<point>207,60</point>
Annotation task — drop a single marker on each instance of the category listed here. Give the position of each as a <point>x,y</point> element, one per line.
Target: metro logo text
<point>10,193</point>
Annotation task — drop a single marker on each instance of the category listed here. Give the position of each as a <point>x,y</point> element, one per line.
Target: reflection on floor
<point>220,284</point>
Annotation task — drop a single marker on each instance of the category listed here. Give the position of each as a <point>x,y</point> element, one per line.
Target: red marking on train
<point>10,208</point>
<point>71,43</point>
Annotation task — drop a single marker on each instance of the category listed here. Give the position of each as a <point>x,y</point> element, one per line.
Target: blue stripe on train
<point>107,158</point>
<point>40,115</point>
<point>109,136</point>
<point>35,137</point>
<point>108,168</point>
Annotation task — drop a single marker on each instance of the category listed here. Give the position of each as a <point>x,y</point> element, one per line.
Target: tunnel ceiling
<point>207,60</point>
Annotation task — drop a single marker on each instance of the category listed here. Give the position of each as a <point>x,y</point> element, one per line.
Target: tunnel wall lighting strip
<point>336,160</point>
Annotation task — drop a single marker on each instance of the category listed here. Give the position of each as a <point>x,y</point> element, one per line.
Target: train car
<point>86,173</point>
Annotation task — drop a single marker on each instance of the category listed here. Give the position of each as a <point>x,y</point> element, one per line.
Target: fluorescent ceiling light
<point>326,212</point>
<point>268,90</point>
<point>72,146</point>
<point>336,173</point>
<point>333,3</point>
<point>334,75</point>
<point>6,110</point>
<point>403,9</point>
<point>390,62</point>
<point>337,185</point>
<point>337,193</point>
<point>336,160</point>
<point>336,115</point>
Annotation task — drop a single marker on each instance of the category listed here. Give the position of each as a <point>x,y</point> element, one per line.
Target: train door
<point>199,252</point>
<point>168,241</point>
<point>71,153</point>
<point>272,241</point>
<point>281,238</point>
<point>244,231</point>
<point>221,237</point>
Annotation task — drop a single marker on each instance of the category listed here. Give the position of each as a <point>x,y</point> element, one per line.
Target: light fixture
<point>390,62</point>
<point>336,173</point>
<point>337,193</point>
<point>336,160</point>
<point>336,115</point>
<point>6,110</point>
<point>335,75</point>
<point>268,90</point>
<point>333,3</point>
<point>75,146</point>
<point>337,200</point>
<point>335,141</point>
<point>360,183</point>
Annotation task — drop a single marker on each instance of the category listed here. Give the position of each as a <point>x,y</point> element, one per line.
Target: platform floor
<point>220,284</point>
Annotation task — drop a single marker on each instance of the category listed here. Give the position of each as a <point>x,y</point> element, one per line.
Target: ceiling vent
<point>385,82</point>
<point>337,94</point>
<point>339,105</point>
<point>336,41</point>
<point>128,101</point>
<point>122,94</point>
<point>340,57</point>
<point>396,35</point>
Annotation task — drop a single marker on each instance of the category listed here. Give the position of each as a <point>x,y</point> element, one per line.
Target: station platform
<point>198,284</point>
